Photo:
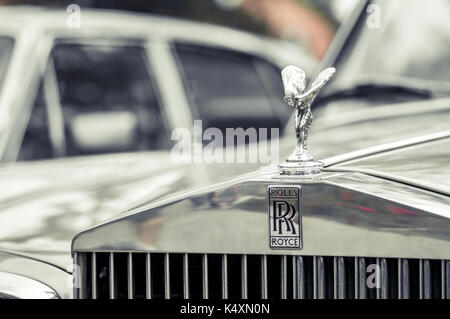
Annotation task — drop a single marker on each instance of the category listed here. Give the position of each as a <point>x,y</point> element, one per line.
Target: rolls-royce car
<point>121,82</point>
<point>359,210</point>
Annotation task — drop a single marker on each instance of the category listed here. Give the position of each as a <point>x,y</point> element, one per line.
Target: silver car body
<point>384,194</point>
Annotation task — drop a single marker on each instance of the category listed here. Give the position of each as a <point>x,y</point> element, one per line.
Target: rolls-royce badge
<point>285,219</point>
<point>294,81</point>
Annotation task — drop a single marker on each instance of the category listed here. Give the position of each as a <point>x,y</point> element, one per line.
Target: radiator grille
<point>190,276</point>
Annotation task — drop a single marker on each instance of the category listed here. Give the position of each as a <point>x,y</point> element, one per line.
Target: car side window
<point>36,144</point>
<point>107,98</point>
<point>231,89</point>
<point>6,46</point>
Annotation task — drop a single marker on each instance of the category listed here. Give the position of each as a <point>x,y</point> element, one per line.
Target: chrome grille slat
<point>244,277</point>
<point>335,278</point>
<point>362,284</point>
<point>356,276</point>
<point>148,276</point>
<point>205,292</point>
<point>224,276</point>
<point>166,276</point>
<point>315,277</point>
<point>447,279</point>
<point>264,292</point>
<point>443,279</point>
<point>81,272</point>
<point>384,291</point>
<point>294,279</point>
<point>406,285</point>
<point>300,278</point>
<point>339,278</point>
<point>112,288</point>
<point>320,277</point>
<point>76,280</point>
<point>94,275</point>
<point>130,278</point>
<point>283,277</point>
<point>403,279</point>
<point>185,276</point>
<point>420,279</point>
<point>426,279</point>
<point>400,279</point>
<point>378,291</point>
<point>117,275</point>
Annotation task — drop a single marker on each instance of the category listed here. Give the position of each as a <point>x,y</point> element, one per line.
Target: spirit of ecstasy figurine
<point>294,82</point>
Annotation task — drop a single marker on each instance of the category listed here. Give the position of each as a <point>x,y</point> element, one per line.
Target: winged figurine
<point>294,82</point>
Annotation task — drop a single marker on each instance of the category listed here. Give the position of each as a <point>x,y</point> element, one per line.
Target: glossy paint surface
<point>425,165</point>
<point>338,219</point>
<point>23,277</point>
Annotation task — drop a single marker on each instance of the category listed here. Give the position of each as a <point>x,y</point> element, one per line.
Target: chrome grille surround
<point>229,276</point>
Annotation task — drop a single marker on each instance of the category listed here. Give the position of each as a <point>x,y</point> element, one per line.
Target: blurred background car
<point>111,87</point>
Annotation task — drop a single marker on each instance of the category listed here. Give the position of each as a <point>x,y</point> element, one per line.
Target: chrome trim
<point>378,149</point>
<point>82,275</point>
<point>76,280</point>
<point>369,202</point>
<point>396,178</point>
<point>318,277</point>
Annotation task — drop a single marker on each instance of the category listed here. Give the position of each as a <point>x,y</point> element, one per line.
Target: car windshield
<point>227,88</point>
<point>6,45</point>
<point>400,43</point>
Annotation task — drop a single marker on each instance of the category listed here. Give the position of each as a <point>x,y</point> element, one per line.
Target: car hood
<point>44,205</point>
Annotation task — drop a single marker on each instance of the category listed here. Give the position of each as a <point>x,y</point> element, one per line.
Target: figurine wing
<point>294,82</point>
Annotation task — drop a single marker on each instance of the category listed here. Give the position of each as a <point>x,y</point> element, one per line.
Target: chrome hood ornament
<point>294,82</point>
